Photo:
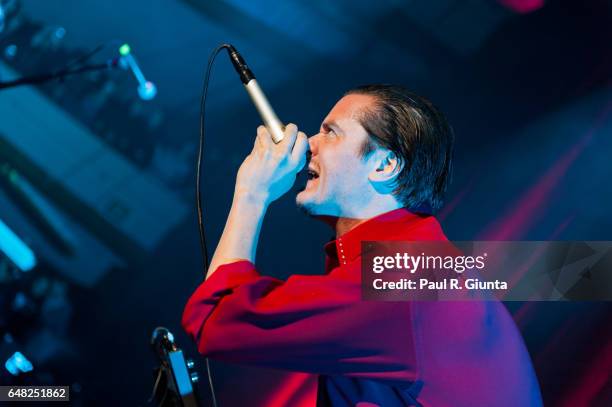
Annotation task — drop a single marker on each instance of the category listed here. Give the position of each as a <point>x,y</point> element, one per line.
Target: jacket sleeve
<point>316,324</point>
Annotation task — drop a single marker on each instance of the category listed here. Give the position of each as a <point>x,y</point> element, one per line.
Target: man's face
<point>338,174</point>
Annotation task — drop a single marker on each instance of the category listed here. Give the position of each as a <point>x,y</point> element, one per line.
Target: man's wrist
<point>257,201</point>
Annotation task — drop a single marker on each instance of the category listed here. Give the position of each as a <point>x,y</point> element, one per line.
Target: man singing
<point>379,167</point>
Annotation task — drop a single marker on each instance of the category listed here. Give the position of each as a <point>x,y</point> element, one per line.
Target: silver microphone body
<point>270,119</point>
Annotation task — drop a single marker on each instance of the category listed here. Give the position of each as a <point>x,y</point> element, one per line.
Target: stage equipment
<point>175,379</point>
<point>146,89</point>
<point>85,180</point>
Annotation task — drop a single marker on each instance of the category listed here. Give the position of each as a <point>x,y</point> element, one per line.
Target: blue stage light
<point>15,249</point>
<point>17,364</point>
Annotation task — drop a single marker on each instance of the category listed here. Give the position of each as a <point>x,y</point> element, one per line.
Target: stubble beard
<point>306,208</point>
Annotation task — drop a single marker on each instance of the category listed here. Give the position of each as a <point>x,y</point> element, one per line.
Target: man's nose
<point>313,143</point>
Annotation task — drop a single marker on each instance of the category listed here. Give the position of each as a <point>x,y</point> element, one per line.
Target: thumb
<point>298,154</point>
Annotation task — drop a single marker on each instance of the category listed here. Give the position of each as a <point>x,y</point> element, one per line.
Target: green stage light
<point>124,49</point>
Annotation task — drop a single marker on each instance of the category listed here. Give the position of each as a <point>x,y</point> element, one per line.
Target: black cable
<point>89,54</point>
<point>80,60</point>
<point>154,391</point>
<point>73,67</point>
<point>32,80</point>
<point>203,246</point>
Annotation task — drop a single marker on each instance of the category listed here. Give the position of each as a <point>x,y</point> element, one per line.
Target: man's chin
<point>302,203</point>
<point>306,203</point>
<point>316,211</point>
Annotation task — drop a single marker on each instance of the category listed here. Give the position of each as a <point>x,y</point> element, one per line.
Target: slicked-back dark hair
<point>419,135</point>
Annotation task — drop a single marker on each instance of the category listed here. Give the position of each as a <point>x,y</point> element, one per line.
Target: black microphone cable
<point>271,121</point>
<point>203,246</point>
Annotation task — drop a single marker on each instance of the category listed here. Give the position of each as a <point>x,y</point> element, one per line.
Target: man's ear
<point>388,167</point>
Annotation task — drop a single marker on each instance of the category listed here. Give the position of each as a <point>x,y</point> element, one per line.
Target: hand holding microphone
<point>269,171</point>
<point>279,152</point>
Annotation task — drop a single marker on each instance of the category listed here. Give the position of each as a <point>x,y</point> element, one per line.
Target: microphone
<point>271,121</point>
<point>146,89</point>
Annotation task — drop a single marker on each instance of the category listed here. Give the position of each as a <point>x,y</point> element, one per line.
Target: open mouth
<point>312,174</point>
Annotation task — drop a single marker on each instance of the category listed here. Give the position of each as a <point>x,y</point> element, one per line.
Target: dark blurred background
<point>97,185</point>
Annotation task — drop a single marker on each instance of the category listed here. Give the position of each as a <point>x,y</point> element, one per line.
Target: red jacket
<point>382,353</point>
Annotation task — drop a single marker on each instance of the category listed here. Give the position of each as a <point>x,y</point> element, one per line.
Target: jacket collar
<point>387,226</point>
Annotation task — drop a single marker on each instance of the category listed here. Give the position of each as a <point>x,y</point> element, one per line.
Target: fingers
<point>288,141</point>
<point>293,146</point>
<point>298,154</point>
<point>264,139</point>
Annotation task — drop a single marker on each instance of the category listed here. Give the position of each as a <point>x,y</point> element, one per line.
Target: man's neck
<point>346,223</point>
<point>353,218</point>
<point>343,225</point>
